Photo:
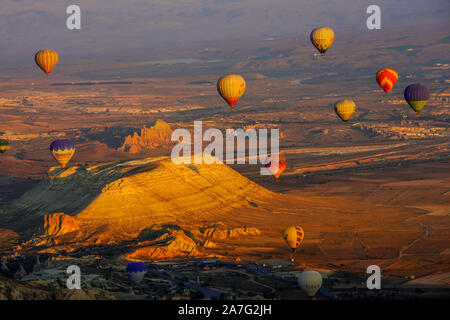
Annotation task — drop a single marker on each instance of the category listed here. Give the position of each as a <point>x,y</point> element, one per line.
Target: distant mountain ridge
<point>106,25</point>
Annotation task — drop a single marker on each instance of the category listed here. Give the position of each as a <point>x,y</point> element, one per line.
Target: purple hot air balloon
<point>63,144</point>
<point>417,96</point>
<point>62,151</point>
<point>136,271</point>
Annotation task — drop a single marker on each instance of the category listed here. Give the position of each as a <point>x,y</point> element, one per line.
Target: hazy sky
<point>112,27</point>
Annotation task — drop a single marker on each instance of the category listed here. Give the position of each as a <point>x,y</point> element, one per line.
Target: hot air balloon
<point>136,272</point>
<point>277,168</point>
<point>231,87</point>
<point>345,109</point>
<point>387,78</point>
<point>310,281</point>
<point>62,151</point>
<point>46,60</point>
<point>417,96</point>
<point>4,145</point>
<point>293,236</point>
<point>322,38</point>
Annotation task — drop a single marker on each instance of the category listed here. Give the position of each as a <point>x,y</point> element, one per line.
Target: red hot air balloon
<point>387,78</point>
<point>277,168</point>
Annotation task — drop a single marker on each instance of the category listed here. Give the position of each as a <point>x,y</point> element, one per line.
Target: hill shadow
<point>69,191</point>
<point>113,137</point>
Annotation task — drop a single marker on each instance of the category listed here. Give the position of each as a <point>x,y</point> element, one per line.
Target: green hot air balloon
<point>4,145</point>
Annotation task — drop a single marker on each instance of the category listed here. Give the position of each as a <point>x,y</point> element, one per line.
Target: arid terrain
<point>373,190</point>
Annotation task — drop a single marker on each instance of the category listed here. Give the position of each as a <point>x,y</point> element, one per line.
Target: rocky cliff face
<point>7,237</point>
<point>154,137</point>
<point>220,231</point>
<point>58,224</point>
<point>173,244</point>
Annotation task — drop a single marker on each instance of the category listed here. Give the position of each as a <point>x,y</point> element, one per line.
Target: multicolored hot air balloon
<point>46,60</point>
<point>345,109</point>
<point>387,78</point>
<point>277,168</point>
<point>136,272</point>
<point>62,151</point>
<point>310,281</point>
<point>4,145</point>
<point>322,38</point>
<point>293,236</point>
<point>231,87</point>
<point>417,96</point>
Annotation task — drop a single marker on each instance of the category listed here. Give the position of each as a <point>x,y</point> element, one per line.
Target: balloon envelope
<point>46,60</point>
<point>62,151</point>
<point>293,236</point>
<point>136,271</point>
<point>387,78</point>
<point>345,109</point>
<point>417,96</point>
<point>4,145</point>
<point>231,87</point>
<point>277,168</point>
<point>310,281</point>
<point>322,38</point>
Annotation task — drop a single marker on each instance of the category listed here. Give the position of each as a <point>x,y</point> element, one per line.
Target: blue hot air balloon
<point>136,271</point>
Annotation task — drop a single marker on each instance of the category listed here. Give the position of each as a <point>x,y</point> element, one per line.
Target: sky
<point>111,28</point>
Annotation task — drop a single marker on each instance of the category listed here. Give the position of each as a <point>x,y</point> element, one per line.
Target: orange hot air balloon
<point>46,60</point>
<point>277,168</point>
<point>231,87</point>
<point>387,78</point>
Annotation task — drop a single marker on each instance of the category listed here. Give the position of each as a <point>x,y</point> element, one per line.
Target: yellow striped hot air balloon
<point>46,60</point>
<point>231,87</point>
<point>322,38</point>
<point>345,109</point>
<point>62,151</point>
<point>293,236</point>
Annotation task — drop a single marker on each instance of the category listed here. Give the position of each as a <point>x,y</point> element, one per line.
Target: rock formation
<point>209,244</point>
<point>80,294</point>
<point>173,244</point>
<point>220,231</point>
<point>58,224</point>
<point>150,138</point>
<point>20,273</point>
<point>3,266</point>
<point>19,290</point>
<point>37,266</point>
